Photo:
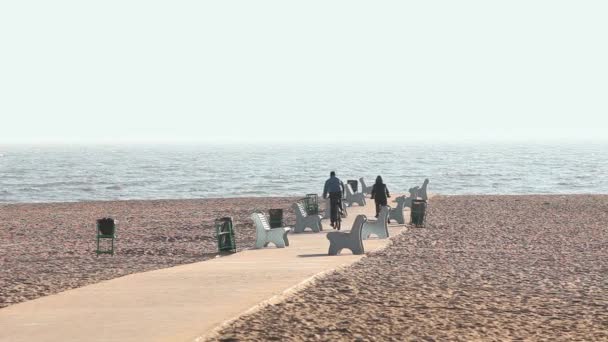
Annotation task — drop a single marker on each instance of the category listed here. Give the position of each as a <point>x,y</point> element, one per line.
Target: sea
<point>71,173</point>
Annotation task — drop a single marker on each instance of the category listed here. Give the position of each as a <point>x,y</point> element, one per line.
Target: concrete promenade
<point>183,303</point>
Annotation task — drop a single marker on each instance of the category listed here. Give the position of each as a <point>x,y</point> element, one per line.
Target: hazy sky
<point>286,70</point>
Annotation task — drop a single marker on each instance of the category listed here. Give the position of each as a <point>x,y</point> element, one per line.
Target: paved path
<point>180,303</point>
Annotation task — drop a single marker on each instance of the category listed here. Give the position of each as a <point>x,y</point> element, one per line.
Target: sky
<point>298,71</point>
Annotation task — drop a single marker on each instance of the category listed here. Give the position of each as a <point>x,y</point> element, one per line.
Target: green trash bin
<point>418,212</point>
<point>224,231</point>
<point>275,218</point>
<point>106,230</point>
<point>311,204</point>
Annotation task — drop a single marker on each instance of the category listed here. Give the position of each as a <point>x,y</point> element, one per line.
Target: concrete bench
<point>364,188</point>
<point>377,227</point>
<point>421,193</point>
<point>350,240</point>
<point>303,220</point>
<point>397,212</point>
<point>265,234</point>
<point>352,197</point>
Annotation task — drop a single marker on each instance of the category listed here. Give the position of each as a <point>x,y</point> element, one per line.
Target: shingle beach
<point>484,268</point>
<point>48,248</point>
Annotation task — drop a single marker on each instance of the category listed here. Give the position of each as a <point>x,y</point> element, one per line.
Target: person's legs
<point>377,207</point>
<point>333,203</point>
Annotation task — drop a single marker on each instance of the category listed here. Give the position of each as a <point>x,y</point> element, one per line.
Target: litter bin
<point>225,235</point>
<point>311,203</point>
<point>106,226</point>
<point>275,218</point>
<point>106,230</point>
<point>354,184</point>
<point>418,212</point>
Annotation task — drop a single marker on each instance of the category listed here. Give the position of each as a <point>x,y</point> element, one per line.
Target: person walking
<point>380,194</point>
<point>335,188</point>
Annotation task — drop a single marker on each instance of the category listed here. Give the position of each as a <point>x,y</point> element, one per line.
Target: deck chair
<point>352,197</point>
<point>397,212</point>
<point>351,240</point>
<point>364,188</point>
<point>265,234</point>
<point>377,227</point>
<point>303,220</point>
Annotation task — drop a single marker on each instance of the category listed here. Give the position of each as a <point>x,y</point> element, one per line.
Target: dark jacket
<point>380,192</point>
<point>333,184</point>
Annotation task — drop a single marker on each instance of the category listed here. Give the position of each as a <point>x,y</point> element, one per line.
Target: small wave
<point>61,183</point>
<point>114,187</point>
<point>30,189</point>
<point>88,189</point>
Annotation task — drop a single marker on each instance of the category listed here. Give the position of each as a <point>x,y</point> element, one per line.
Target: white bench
<point>352,197</point>
<point>422,190</point>
<point>377,227</point>
<point>397,213</point>
<point>265,234</point>
<point>303,220</point>
<point>350,240</point>
<point>364,188</point>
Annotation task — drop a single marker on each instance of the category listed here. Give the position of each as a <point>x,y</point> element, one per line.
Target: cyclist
<point>335,188</point>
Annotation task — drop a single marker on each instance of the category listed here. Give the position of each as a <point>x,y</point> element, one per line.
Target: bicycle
<point>335,208</point>
<point>338,208</point>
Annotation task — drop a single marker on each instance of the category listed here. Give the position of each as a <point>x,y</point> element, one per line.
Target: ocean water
<point>83,173</point>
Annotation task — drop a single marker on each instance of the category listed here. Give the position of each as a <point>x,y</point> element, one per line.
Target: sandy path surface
<point>49,248</point>
<point>484,268</point>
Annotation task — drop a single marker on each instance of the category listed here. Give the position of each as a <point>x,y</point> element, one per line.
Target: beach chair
<point>421,193</point>
<point>326,215</point>
<point>106,230</point>
<point>397,212</point>
<point>351,240</point>
<point>352,197</point>
<point>303,220</point>
<point>266,235</point>
<point>364,188</point>
<point>377,227</point>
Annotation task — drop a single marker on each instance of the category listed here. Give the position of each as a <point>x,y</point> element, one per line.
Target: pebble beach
<point>484,268</point>
<point>48,248</point>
